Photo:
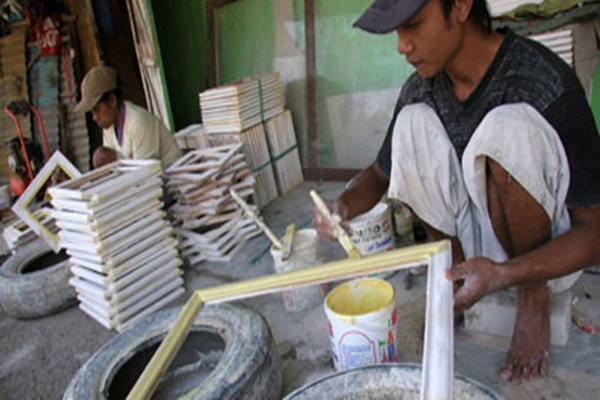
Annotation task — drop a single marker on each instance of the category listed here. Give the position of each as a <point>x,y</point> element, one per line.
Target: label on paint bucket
<point>362,321</point>
<point>372,231</point>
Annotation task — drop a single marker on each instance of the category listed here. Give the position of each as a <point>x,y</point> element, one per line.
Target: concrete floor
<point>39,357</point>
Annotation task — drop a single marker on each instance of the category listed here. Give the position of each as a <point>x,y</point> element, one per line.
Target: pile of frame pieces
<point>210,224</point>
<point>192,137</point>
<point>256,149</point>
<point>241,104</point>
<point>18,233</point>
<point>122,251</point>
<point>284,152</point>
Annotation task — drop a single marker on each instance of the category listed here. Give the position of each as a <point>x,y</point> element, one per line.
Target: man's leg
<point>517,176</point>
<point>521,225</point>
<point>426,176</point>
<point>458,255</point>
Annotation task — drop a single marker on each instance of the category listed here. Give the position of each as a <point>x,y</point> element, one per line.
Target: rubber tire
<point>248,368</point>
<point>35,294</point>
<point>384,381</point>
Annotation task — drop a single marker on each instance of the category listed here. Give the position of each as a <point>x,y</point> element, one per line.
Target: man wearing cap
<point>128,131</point>
<point>494,147</point>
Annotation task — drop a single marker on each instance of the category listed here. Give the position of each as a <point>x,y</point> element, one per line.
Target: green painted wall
<point>595,95</point>
<point>350,60</point>
<point>181,30</point>
<point>246,39</point>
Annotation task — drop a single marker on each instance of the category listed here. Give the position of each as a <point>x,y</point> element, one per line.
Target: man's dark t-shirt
<point>523,71</point>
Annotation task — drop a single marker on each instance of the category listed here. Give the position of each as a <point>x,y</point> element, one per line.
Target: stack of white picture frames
<point>283,148</point>
<point>122,248</point>
<point>210,224</point>
<point>241,104</point>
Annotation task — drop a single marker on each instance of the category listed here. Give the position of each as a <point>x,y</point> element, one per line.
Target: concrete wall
<point>359,76</point>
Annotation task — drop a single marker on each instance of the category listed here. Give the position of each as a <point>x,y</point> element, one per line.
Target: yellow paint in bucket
<point>306,252</point>
<point>362,321</point>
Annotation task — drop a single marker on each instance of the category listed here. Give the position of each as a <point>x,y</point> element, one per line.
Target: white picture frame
<point>21,206</point>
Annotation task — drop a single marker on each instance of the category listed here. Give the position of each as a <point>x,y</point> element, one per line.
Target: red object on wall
<point>18,184</point>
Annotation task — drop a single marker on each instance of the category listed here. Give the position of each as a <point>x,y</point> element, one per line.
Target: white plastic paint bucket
<point>362,321</point>
<point>306,252</point>
<point>372,231</point>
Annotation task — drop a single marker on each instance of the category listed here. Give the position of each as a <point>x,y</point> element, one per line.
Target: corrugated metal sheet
<point>13,86</point>
<point>53,90</point>
<point>560,41</point>
<point>43,93</point>
<point>78,144</point>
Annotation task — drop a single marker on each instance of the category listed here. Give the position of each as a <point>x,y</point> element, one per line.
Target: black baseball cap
<point>385,16</point>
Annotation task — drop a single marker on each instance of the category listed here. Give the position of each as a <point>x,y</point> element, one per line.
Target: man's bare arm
<point>577,248</point>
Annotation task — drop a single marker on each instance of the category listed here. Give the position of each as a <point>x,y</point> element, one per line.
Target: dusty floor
<point>39,357</point>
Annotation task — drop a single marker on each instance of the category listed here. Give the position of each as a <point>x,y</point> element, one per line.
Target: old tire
<point>228,354</point>
<point>34,282</point>
<point>384,381</point>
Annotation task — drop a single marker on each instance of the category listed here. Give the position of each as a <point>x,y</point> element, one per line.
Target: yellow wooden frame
<point>438,374</point>
<point>20,208</point>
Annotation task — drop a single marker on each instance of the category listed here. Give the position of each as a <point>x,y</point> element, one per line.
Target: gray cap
<point>385,16</point>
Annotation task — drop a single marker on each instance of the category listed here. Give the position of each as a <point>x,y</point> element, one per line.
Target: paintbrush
<point>276,242</point>
<point>340,233</point>
<point>288,241</point>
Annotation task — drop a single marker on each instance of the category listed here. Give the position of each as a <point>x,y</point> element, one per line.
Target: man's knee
<point>418,119</point>
<point>103,156</point>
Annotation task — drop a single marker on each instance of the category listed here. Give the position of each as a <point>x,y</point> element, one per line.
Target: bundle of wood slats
<point>239,105</point>
<point>258,157</point>
<point>210,224</point>
<point>121,246</point>
<point>284,152</point>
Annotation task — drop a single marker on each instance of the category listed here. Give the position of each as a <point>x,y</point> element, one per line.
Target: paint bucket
<point>403,221</point>
<point>306,252</point>
<point>372,233</point>
<point>362,320</point>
